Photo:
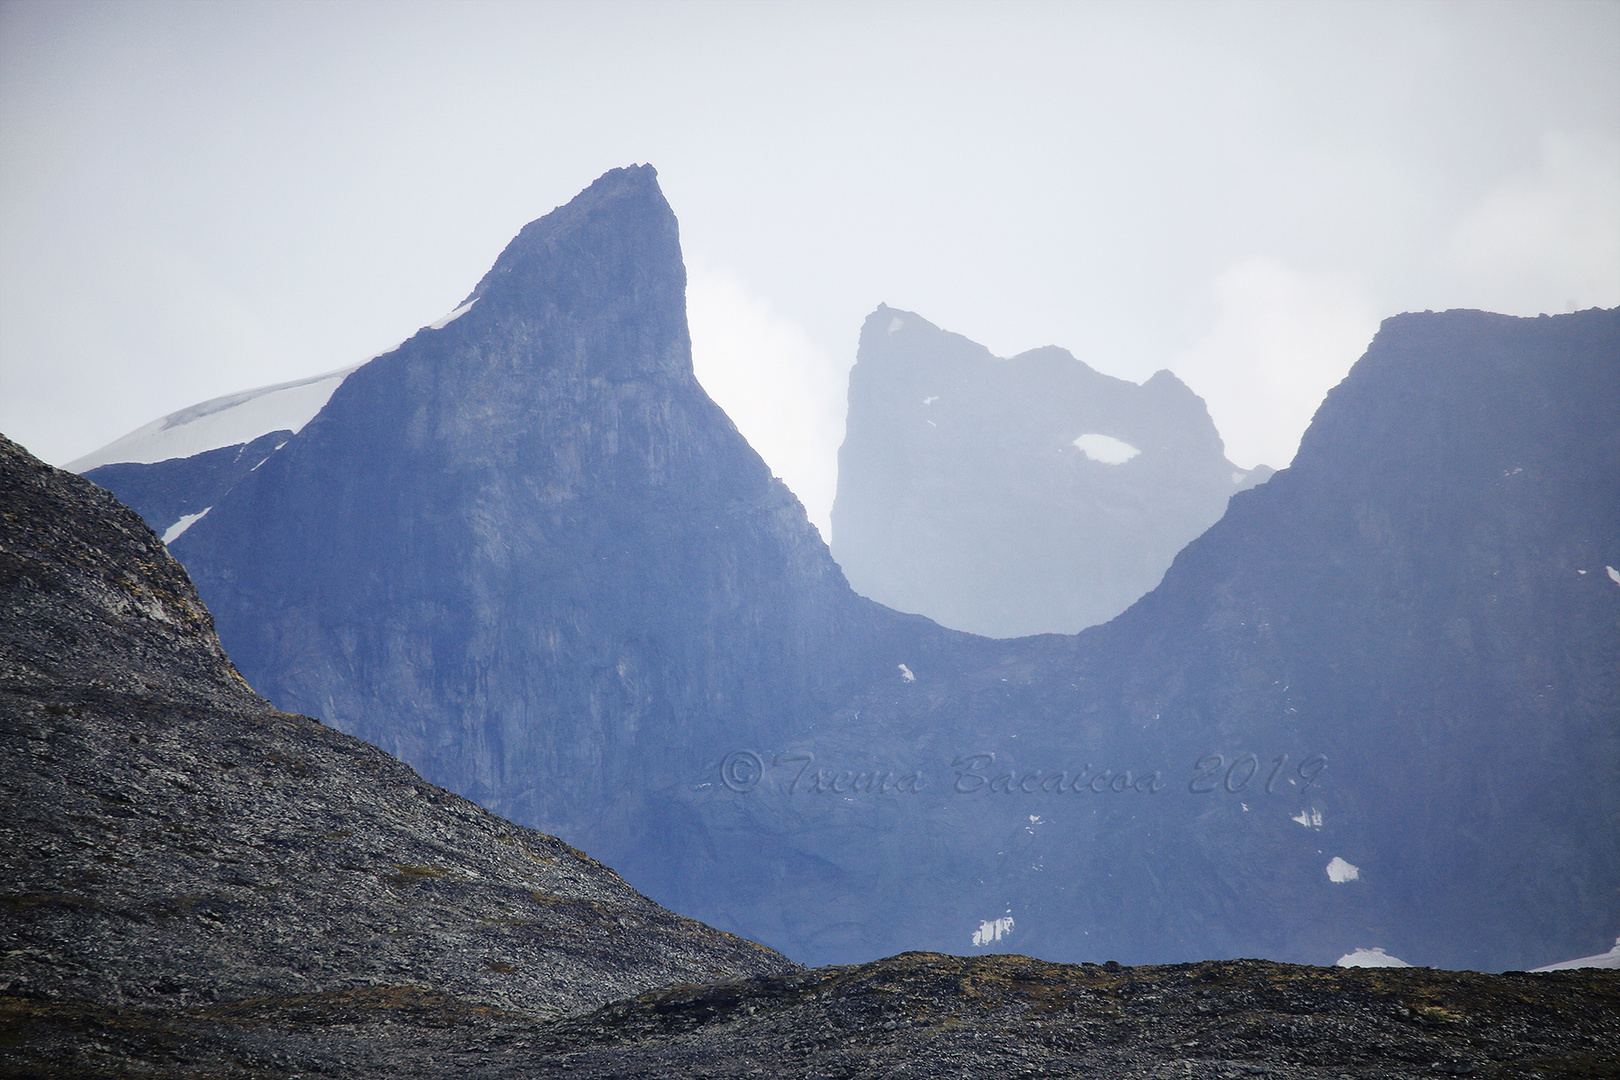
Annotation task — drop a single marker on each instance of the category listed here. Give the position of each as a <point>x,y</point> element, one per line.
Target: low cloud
<point>785,395</point>
<point>1546,240</point>
<point>1280,340</point>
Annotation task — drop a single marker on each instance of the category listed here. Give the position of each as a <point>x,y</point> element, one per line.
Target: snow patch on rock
<point>1106,449</point>
<point>454,315</point>
<point>173,532</point>
<point>991,931</point>
<point>1374,957</point>
<point>1610,959</point>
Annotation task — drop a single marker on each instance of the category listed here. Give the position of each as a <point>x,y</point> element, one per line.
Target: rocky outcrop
<point>168,840</point>
<point>925,1015</point>
<point>1016,496</point>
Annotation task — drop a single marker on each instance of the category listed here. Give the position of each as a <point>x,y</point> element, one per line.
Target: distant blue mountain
<point>1377,704</point>
<point>1016,496</point>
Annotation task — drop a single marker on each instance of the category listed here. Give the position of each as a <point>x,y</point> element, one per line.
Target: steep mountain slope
<point>1020,496</point>
<point>1426,600</point>
<point>174,494</point>
<point>1375,705</point>
<point>168,839</point>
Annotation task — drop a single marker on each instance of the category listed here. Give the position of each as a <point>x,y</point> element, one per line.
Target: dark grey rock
<point>917,1015</point>
<point>963,495</point>
<point>169,839</point>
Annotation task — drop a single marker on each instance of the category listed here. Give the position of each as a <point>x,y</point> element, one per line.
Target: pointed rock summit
<point>597,286</point>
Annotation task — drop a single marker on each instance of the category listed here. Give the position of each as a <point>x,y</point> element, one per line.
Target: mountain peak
<point>600,280</point>
<point>947,443</point>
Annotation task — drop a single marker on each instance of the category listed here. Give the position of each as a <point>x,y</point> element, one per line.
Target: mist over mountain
<point>1375,704</point>
<point>1020,496</point>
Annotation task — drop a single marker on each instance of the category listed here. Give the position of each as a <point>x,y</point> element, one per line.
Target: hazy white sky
<point>201,198</point>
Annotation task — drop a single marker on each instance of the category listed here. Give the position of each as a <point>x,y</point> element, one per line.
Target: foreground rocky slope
<point>169,839</point>
<point>1017,496</point>
<point>919,1015</point>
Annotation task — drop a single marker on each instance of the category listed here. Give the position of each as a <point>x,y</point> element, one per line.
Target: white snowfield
<point>1374,957</point>
<point>224,421</point>
<point>1610,959</point>
<point>175,531</point>
<point>1106,448</point>
<point>992,930</point>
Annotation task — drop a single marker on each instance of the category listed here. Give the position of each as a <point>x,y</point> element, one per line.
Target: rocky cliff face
<point>1375,705</point>
<point>1022,496</point>
<point>169,840</point>
<point>1426,599</point>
